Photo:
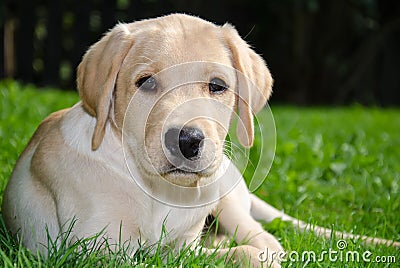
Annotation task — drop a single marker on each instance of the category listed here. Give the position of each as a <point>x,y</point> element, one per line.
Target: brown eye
<point>147,83</point>
<point>217,85</point>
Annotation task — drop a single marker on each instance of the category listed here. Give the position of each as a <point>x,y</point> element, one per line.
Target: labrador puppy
<point>143,151</point>
<point>144,146</point>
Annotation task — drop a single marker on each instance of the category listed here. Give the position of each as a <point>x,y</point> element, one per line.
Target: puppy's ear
<point>254,83</point>
<point>97,74</point>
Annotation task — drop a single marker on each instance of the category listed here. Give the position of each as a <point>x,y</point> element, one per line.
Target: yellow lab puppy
<point>157,99</point>
<point>144,147</point>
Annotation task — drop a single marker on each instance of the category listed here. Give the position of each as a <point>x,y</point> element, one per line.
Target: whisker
<point>235,151</point>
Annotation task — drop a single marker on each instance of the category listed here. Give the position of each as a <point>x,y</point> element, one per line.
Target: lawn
<point>335,167</point>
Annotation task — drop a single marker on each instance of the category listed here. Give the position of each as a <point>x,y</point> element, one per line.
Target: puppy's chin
<point>182,178</point>
<point>162,169</point>
<point>187,178</point>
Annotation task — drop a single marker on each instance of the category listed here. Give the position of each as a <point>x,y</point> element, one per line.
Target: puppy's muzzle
<point>186,142</point>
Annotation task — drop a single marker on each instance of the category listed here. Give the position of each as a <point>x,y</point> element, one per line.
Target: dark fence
<point>319,51</point>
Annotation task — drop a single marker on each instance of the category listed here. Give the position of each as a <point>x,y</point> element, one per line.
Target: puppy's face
<point>175,92</point>
<point>170,87</point>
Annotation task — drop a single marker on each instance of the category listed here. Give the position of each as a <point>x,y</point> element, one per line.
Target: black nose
<point>189,142</point>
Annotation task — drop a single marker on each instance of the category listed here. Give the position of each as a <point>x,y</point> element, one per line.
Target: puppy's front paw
<point>270,251</point>
<point>266,240</point>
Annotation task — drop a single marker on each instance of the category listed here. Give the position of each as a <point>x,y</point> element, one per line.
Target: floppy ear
<point>254,83</point>
<point>97,74</point>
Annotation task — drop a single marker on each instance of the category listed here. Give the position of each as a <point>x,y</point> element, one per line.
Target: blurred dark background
<point>320,52</point>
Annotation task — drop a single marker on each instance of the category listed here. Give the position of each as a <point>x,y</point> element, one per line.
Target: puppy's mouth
<point>188,178</point>
<point>181,171</point>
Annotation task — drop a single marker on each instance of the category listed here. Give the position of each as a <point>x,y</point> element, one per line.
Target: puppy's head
<point>170,87</point>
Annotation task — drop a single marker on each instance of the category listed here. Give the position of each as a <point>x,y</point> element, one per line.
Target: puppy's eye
<point>217,85</point>
<point>147,83</point>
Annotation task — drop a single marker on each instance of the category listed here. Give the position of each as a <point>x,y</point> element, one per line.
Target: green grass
<point>336,167</point>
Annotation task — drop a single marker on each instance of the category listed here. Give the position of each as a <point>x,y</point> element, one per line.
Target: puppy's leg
<point>233,213</point>
<point>29,212</point>
<point>260,210</point>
